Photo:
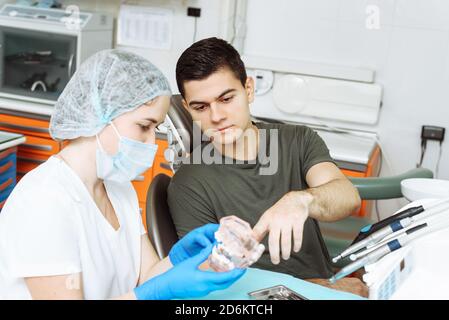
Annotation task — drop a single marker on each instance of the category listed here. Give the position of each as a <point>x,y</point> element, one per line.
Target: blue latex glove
<point>192,243</point>
<point>185,280</point>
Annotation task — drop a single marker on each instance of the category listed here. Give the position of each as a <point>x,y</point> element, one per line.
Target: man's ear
<point>249,87</point>
<point>184,103</point>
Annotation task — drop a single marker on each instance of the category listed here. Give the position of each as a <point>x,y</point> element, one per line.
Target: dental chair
<point>337,235</point>
<point>161,229</point>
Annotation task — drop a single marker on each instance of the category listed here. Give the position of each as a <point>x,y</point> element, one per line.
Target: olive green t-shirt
<point>203,193</point>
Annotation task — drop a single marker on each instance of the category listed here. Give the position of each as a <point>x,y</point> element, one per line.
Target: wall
<point>215,20</point>
<point>409,52</point>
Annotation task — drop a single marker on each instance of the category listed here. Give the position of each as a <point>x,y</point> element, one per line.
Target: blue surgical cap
<point>107,84</point>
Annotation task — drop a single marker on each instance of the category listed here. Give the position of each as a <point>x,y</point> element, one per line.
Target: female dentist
<point>71,229</point>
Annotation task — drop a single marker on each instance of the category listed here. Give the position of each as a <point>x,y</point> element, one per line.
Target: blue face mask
<point>132,159</point>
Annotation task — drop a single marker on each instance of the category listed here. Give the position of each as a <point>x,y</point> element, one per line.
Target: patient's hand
<point>352,285</point>
<point>284,224</point>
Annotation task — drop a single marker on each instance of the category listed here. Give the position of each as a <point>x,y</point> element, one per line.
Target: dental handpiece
<point>395,244</point>
<point>430,217</point>
<point>395,224</point>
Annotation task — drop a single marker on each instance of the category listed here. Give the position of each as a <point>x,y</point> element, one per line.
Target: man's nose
<point>217,114</point>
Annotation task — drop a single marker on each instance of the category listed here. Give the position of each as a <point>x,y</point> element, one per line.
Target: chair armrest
<point>376,188</point>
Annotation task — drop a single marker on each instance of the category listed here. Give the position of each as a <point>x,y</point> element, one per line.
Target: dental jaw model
<point>236,247</point>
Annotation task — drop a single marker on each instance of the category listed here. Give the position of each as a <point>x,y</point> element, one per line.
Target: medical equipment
<point>278,292</point>
<point>385,276</point>
<point>371,234</point>
<point>399,227</point>
<point>403,239</point>
<point>263,80</point>
<point>236,247</point>
<point>421,188</point>
<point>43,47</point>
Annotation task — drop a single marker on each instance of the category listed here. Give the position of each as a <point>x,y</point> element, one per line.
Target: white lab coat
<point>50,225</point>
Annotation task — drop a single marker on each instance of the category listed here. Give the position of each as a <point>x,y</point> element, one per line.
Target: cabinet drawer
<point>38,145</point>
<point>28,161</point>
<point>8,160</point>
<point>7,167</point>
<point>4,154</point>
<point>24,125</point>
<point>7,180</point>
<point>4,195</point>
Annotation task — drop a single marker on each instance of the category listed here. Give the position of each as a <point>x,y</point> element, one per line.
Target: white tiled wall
<point>409,52</point>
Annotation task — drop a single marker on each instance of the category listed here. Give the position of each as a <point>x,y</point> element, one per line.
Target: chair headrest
<point>180,131</point>
<point>181,122</point>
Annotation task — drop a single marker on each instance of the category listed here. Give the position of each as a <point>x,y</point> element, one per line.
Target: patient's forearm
<point>332,201</point>
<point>352,285</point>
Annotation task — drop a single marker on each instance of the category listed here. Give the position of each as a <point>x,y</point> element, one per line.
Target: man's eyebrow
<point>226,92</point>
<point>191,103</point>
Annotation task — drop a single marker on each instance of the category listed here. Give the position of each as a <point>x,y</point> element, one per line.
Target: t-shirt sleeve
<point>41,238</point>
<point>313,150</point>
<point>188,206</point>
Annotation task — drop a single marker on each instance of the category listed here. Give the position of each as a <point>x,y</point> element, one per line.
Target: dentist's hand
<point>192,243</point>
<point>284,219</point>
<point>186,281</point>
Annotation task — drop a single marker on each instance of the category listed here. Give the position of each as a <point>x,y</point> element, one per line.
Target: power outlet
<point>194,12</point>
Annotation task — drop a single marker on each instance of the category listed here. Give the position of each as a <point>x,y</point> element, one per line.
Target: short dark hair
<point>206,57</point>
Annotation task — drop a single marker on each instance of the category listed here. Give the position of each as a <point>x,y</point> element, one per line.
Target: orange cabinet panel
<point>142,183</point>
<point>353,174</point>
<point>163,144</point>
<point>161,166</point>
<point>28,161</point>
<point>38,145</point>
<point>24,125</point>
<point>37,148</point>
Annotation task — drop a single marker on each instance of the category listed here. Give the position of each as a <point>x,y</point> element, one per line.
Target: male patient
<point>281,179</point>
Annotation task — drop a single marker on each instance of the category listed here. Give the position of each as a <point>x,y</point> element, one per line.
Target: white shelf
<point>309,68</point>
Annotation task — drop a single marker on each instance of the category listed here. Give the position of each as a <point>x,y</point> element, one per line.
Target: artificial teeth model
<point>236,246</point>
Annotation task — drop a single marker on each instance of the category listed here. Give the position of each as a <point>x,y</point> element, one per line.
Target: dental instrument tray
<point>278,292</point>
